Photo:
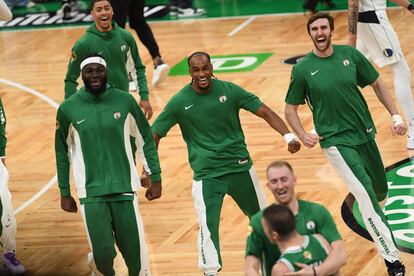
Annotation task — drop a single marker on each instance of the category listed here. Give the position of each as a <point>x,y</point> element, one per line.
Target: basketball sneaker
<point>12,264</point>
<point>395,269</point>
<point>190,12</point>
<point>160,73</point>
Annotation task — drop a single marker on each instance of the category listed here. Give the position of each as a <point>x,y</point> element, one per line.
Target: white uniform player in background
<point>372,34</point>
<point>8,221</point>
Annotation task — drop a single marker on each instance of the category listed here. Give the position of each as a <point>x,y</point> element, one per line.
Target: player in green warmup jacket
<point>311,218</point>
<point>119,49</point>
<point>279,225</point>
<point>207,111</point>
<point>93,133</point>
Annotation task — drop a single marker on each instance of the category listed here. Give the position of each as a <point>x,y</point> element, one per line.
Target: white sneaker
<point>12,264</point>
<point>173,11</point>
<point>190,12</point>
<point>160,73</point>
<point>410,142</point>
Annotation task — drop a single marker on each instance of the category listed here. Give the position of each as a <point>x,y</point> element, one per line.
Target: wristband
<point>410,7</point>
<point>397,120</point>
<point>289,137</point>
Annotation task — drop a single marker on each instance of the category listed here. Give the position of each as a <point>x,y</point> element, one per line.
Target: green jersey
<point>312,252</point>
<point>312,218</point>
<point>330,87</point>
<point>93,132</point>
<point>3,139</point>
<point>116,47</point>
<point>210,126</point>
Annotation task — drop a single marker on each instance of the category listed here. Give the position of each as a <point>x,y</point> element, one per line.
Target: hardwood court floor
<point>52,242</point>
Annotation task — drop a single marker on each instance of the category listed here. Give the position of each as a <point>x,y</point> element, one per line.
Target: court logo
<point>399,208</point>
<point>226,64</point>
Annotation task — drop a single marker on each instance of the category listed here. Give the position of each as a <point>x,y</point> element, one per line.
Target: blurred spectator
<point>311,4</point>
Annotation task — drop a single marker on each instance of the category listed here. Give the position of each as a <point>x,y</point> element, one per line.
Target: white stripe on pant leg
<point>207,254</point>
<point>90,261</point>
<point>8,220</point>
<point>145,264</point>
<point>370,217</point>
<point>261,197</point>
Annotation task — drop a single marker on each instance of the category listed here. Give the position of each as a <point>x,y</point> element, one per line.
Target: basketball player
<point>94,127</point>
<point>280,227</point>
<point>372,33</point>
<point>344,125</point>
<point>207,111</point>
<point>311,218</point>
<point>117,46</point>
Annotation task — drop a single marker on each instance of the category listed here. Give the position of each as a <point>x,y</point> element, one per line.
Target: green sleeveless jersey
<point>312,252</point>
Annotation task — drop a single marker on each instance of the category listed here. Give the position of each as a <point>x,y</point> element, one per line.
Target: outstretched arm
<point>277,124</point>
<point>405,4</point>
<point>353,10</point>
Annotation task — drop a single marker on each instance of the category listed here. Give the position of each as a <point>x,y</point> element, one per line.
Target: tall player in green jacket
<point>119,49</point>
<point>93,132</point>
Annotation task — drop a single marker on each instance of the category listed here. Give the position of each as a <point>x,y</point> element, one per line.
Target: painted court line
<point>241,26</point>
<point>55,105</point>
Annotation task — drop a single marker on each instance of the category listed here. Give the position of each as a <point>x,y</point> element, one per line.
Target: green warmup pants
<point>361,168</point>
<point>208,195</point>
<point>108,222</point>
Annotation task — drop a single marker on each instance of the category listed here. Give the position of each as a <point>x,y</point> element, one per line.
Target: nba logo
<point>223,99</point>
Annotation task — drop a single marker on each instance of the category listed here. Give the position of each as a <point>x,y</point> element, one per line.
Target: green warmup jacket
<point>118,48</point>
<point>3,139</point>
<point>93,132</point>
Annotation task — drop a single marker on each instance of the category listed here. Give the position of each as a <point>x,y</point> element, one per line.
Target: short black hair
<point>93,2</point>
<point>198,53</point>
<point>320,15</point>
<point>280,219</point>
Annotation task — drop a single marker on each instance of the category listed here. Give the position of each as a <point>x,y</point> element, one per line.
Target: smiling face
<point>201,71</point>
<point>102,15</point>
<point>321,34</point>
<point>94,78</point>
<point>281,181</point>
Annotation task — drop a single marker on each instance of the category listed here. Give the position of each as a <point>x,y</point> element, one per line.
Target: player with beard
<point>310,217</point>
<point>346,131</point>
<point>93,127</point>
<point>207,111</point>
<point>118,48</point>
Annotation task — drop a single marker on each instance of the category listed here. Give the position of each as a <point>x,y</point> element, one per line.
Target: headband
<point>90,60</point>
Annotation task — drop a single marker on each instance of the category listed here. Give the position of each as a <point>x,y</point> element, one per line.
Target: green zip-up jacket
<point>93,132</point>
<point>3,139</point>
<point>117,47</point>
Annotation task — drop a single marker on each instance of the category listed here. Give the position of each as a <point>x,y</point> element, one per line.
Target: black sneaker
<point>395,269</point>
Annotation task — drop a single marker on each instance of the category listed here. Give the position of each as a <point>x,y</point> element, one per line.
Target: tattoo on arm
<point>353,9</point>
